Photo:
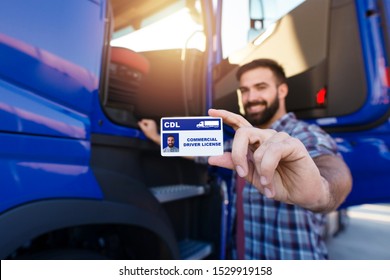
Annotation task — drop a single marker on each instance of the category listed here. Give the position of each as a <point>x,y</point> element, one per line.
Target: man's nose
<point>252,94</point>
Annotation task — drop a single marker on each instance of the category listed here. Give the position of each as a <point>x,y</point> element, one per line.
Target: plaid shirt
<point>275,230</point>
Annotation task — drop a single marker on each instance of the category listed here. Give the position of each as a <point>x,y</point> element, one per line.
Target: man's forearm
<point>337,184</point>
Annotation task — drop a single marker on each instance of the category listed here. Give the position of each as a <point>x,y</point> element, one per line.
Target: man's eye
<point>260,87</point>
<point>243,90</point>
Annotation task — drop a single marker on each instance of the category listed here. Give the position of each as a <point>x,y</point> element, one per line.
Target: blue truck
<point>79,180</point>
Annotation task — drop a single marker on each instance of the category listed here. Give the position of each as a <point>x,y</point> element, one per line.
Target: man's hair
<point>275,67</point>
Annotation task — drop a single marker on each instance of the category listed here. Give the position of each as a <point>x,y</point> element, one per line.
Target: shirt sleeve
<point>316,141</point>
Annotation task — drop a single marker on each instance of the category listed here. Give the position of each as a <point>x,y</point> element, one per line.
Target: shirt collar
<point>282,122</point>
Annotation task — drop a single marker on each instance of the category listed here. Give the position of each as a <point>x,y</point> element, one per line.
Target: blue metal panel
<point>53,48</point>
<point>24,112</point>
<point>38,167</point>
<point>69,29</point>
<point>368,156</point>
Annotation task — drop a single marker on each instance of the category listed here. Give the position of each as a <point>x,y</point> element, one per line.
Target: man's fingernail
<point>240,171</point>
<point>263,180</point>
<point>267,192</point>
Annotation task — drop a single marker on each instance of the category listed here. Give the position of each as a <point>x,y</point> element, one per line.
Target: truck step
<point>194,249</point>
<point>176,192</point>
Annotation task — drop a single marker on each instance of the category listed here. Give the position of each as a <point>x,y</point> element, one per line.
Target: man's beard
<point>258,119</point>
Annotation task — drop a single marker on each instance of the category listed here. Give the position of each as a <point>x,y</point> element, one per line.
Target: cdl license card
<point>191,136</point>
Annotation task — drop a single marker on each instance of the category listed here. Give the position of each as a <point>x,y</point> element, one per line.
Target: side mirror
<point>256,15</point>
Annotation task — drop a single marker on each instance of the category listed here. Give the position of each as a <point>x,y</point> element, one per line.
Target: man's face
<point>259,93</point>
<point>171,141</point>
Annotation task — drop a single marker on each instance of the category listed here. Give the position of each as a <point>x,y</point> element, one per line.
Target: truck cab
<point>79,178</point>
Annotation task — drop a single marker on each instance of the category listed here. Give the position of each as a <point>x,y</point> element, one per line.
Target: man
<point>294,174</point>
<point>171,145</point>
<point>293,171</point>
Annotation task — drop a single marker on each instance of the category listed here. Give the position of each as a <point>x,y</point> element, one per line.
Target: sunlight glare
<point>176,31</point>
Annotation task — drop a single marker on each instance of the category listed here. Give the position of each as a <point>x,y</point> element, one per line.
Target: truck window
<point>164,35</point>
<point>251,18</point>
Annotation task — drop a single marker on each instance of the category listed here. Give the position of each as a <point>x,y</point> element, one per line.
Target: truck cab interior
<point>152,82</point>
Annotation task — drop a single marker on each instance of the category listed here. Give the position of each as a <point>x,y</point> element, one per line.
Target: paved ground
<point>366,236</point>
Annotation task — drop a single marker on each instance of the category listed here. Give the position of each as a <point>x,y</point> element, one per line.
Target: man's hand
<point>149,128</point>
<point>277,164</point>
<point>229,118</point>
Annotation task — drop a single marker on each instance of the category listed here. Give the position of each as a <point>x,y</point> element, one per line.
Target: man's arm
<point>339,181</point>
